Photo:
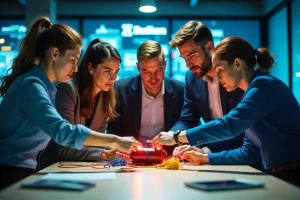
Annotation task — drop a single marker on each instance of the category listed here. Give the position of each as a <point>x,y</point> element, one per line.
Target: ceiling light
<point>147,6</point>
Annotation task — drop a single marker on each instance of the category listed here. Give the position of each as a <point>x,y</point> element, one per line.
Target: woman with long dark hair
<point>88,98</point>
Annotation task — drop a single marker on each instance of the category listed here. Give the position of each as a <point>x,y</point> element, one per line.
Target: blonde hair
<point>150,49</point>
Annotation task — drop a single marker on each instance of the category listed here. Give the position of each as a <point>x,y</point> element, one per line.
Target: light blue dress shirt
<point>28,119</point>
<point>269,113</point>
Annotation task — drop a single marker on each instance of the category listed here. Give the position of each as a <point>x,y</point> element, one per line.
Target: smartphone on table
<point>225,184</point>
<point>59,184</point>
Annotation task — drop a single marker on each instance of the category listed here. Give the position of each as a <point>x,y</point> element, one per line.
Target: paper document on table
<point>80,176</point>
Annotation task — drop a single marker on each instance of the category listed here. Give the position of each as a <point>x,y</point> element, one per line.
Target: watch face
<point>175,135</point>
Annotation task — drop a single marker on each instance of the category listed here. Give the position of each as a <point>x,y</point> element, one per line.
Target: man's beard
<point>204,68</point>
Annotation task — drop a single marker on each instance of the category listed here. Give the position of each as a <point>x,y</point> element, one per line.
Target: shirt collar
<point>207,79</point>
<point>41,74</point>
<point>162,91</point>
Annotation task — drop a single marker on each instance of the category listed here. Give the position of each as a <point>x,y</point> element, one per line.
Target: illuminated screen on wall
<point>296,49</point>
<point>11,34</point>
<point>126,36</point>
<point>74,23</point>
<point>247,29</point>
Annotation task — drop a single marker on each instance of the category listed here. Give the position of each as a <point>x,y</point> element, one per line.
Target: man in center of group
<point>149,102</point>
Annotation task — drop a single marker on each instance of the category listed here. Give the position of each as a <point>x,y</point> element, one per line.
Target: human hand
<point>108,154</point>
<point>180,150</point>
<point>196,157</point>
<point>126,144</point>
<point>112,153</point>
<point>163,138</point>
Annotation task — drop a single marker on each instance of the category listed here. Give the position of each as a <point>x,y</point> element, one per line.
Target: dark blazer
<point>196,105</point>
<point>67,103</point>
<point>129,105</point>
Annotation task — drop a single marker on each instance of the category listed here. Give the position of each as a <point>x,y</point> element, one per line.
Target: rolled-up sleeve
<point>37,105</point>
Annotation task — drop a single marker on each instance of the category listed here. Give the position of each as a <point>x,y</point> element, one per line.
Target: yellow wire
<point>171,163</point>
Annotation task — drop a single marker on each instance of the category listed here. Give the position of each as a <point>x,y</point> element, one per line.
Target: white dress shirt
<point>214,100</point>
<point>152,118</point>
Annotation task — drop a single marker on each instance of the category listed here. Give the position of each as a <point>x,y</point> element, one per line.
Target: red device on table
<point>148,156</point>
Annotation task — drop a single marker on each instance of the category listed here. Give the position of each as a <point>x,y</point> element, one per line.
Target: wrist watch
<point>176,134</point>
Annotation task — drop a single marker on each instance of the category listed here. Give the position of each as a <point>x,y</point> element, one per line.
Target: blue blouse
<point>269,113</point>
<point>28,119</point>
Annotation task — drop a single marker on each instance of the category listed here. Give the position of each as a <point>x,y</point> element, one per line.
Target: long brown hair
<point>235,47</point>
<point>96,53</point>
<point>41,36</point>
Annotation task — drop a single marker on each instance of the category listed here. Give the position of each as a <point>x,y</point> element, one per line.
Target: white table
<point>156,184</point>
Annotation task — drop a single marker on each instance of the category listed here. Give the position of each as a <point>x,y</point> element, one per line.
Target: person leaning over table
<point>88,98</point>
<point>268,112</point>
<point>28,118</point>
<point>149,102</point>
<point>204,96</point>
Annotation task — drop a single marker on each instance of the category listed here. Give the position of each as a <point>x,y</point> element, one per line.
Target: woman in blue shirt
<point>88,98</point>
<point>28,118</point>
<point>268,113</point>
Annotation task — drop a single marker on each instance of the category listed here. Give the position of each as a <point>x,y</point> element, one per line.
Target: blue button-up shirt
<point>28,119</point>
<point>269,113</point>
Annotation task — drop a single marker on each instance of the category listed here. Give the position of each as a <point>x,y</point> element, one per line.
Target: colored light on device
<point>148,156</point>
